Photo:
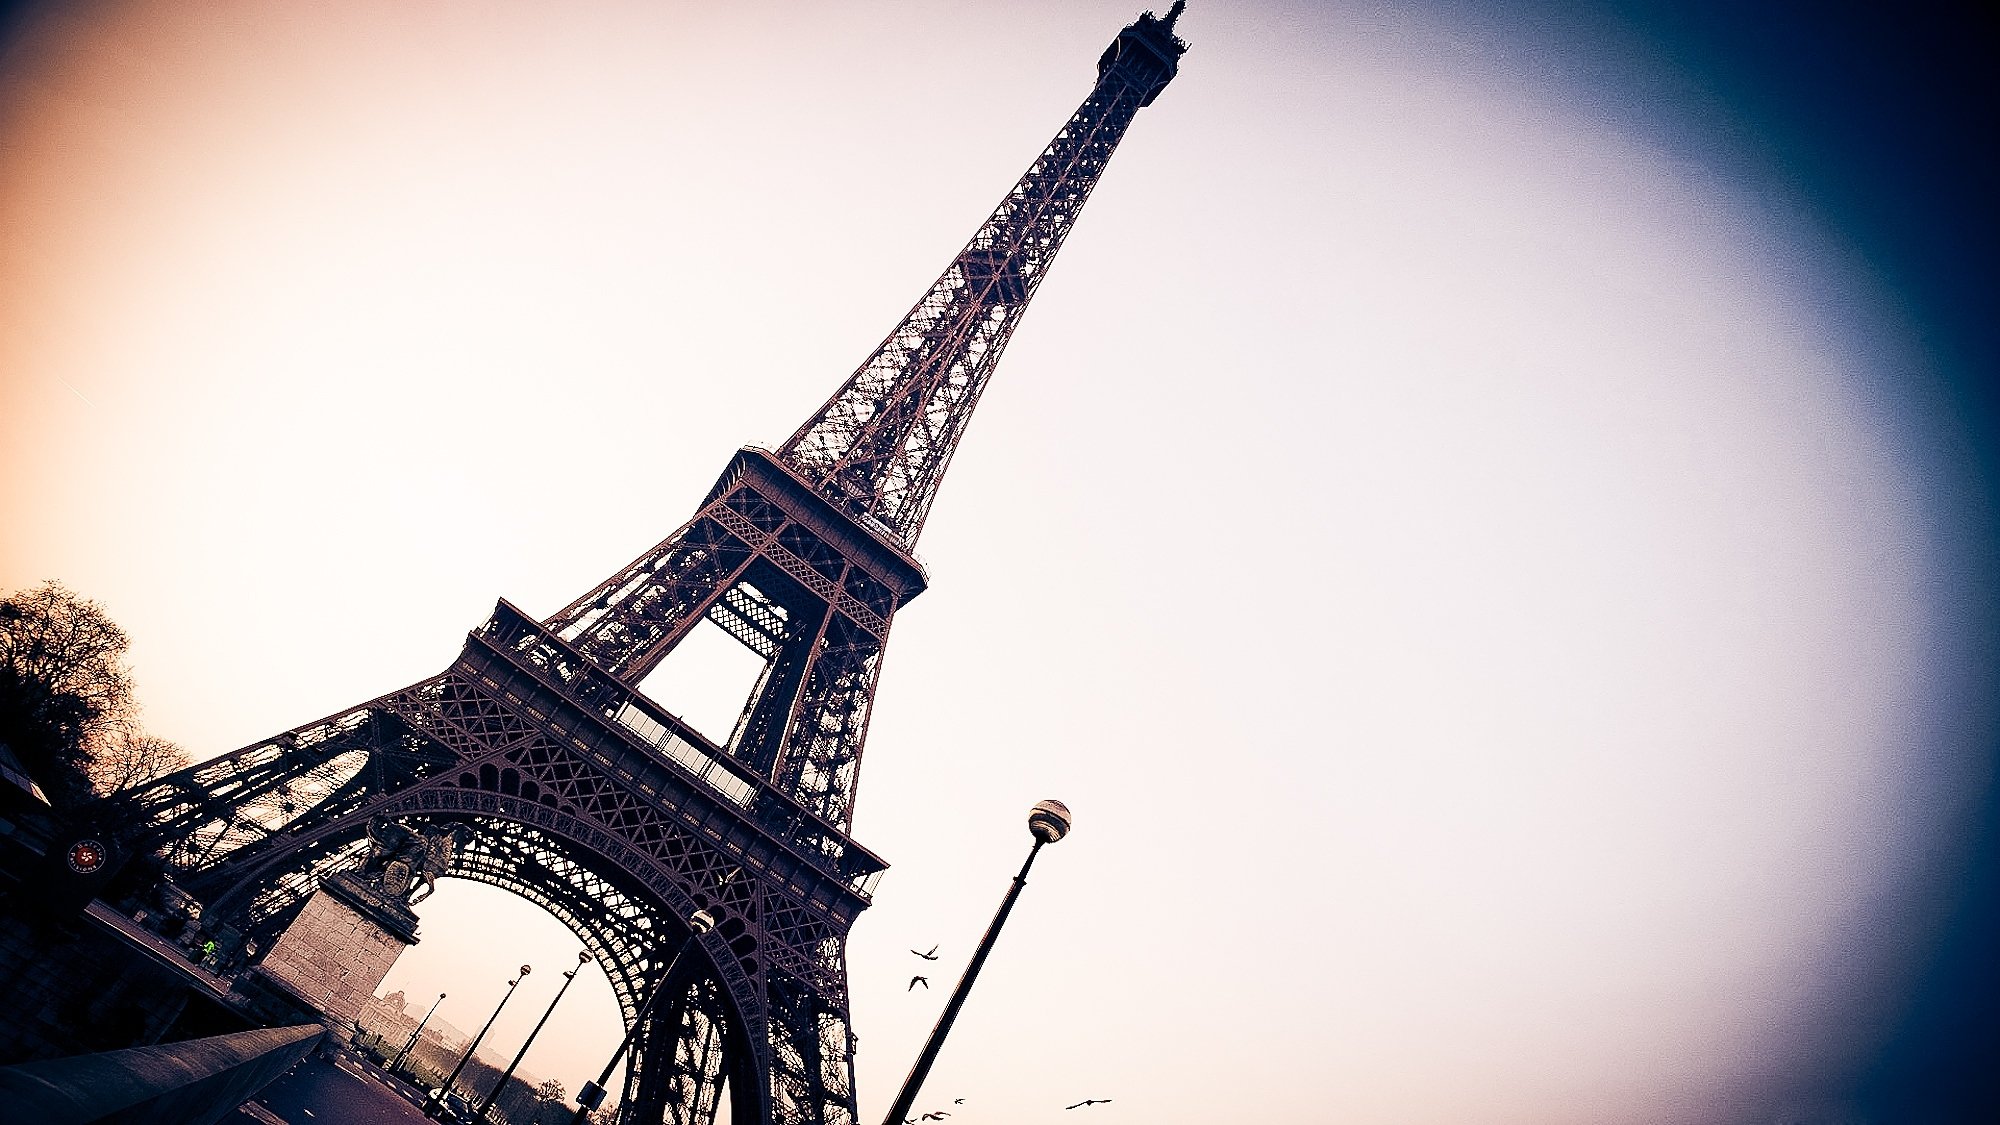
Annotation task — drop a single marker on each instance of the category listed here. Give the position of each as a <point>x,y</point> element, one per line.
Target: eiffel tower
<point>572,789</point>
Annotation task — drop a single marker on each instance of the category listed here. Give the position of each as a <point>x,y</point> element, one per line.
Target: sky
<point>1488,524</point>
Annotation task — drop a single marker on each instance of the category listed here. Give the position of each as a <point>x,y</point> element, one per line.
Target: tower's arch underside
<point>572,808</point>
<point>707,1033</point>
<point>632,936</point>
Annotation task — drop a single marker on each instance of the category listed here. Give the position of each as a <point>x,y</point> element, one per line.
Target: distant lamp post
<point>480,1113</point>
<point>444,1090</point>
<point>1048,822</point>
<point>592,1094</point>
<point>405,1052</point>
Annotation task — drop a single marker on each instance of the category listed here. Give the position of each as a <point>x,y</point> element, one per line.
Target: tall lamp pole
<point>480,1113</point>
<point>445,1089</point>
<point>1048,822</point>
<point>404,1053</point>
<point>592,1094</point>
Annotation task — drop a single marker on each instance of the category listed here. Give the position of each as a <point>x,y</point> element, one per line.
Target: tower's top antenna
<point>1149,50</point>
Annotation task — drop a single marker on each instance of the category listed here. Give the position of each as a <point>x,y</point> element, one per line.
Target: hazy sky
<point>1478,536</point>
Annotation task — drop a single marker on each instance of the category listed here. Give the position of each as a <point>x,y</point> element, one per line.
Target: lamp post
<point>444,1090</point>
<point>592,1094</point>
<point>1048,822</point>
<point>480,1113</point>
<point>404,1053</point>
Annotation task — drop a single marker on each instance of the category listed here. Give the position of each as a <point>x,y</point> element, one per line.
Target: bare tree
<point>66,706</point>
<point>548,1106</point>
<point>133,758</point>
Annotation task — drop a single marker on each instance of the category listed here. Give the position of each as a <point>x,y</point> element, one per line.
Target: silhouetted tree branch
<point>133,758</point>
<point>66,705</point>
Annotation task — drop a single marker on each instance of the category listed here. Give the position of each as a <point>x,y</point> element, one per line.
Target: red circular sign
<point>86,856</point>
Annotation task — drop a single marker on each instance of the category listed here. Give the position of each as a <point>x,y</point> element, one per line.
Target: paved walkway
<point>158,948</point>
<point>329,1092</point>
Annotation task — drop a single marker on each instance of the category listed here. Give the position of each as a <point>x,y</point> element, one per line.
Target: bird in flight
<point>1087,1101</point>
<point>915,981</point>
<point>940,1115</point>
<point>931,956</point>
<point>958,1101</point>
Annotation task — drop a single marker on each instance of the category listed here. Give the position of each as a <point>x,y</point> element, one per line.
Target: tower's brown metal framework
<point>588,799</point>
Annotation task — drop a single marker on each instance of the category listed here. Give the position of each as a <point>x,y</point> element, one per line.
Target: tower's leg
<point>812,1073</point>
<point>679,1074</point>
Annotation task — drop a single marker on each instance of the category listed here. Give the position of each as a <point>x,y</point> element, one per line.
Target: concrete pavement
<point>333,1091</point>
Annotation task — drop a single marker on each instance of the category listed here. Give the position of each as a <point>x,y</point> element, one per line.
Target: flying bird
<point>958,1101</point>
<point>915,981</point>
<point>931,956</point>
<point>1087,1101</point>
<point>940,1115</point>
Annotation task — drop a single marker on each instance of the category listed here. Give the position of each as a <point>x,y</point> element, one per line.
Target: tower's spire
<point>880,445</point>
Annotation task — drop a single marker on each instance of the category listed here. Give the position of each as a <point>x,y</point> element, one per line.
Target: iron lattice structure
<point>588,799</point>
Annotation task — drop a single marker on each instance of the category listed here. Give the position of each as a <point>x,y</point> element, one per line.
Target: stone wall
<point>333,957</point>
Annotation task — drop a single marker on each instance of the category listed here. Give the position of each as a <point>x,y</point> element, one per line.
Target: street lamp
<point>404,1053</point>
<point>480,1113</point>
<point>592,1094</point>
<point>1048,822</point>
<point>445,1089</point>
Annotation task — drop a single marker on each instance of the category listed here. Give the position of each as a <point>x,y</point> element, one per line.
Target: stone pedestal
<point>345,940</point>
